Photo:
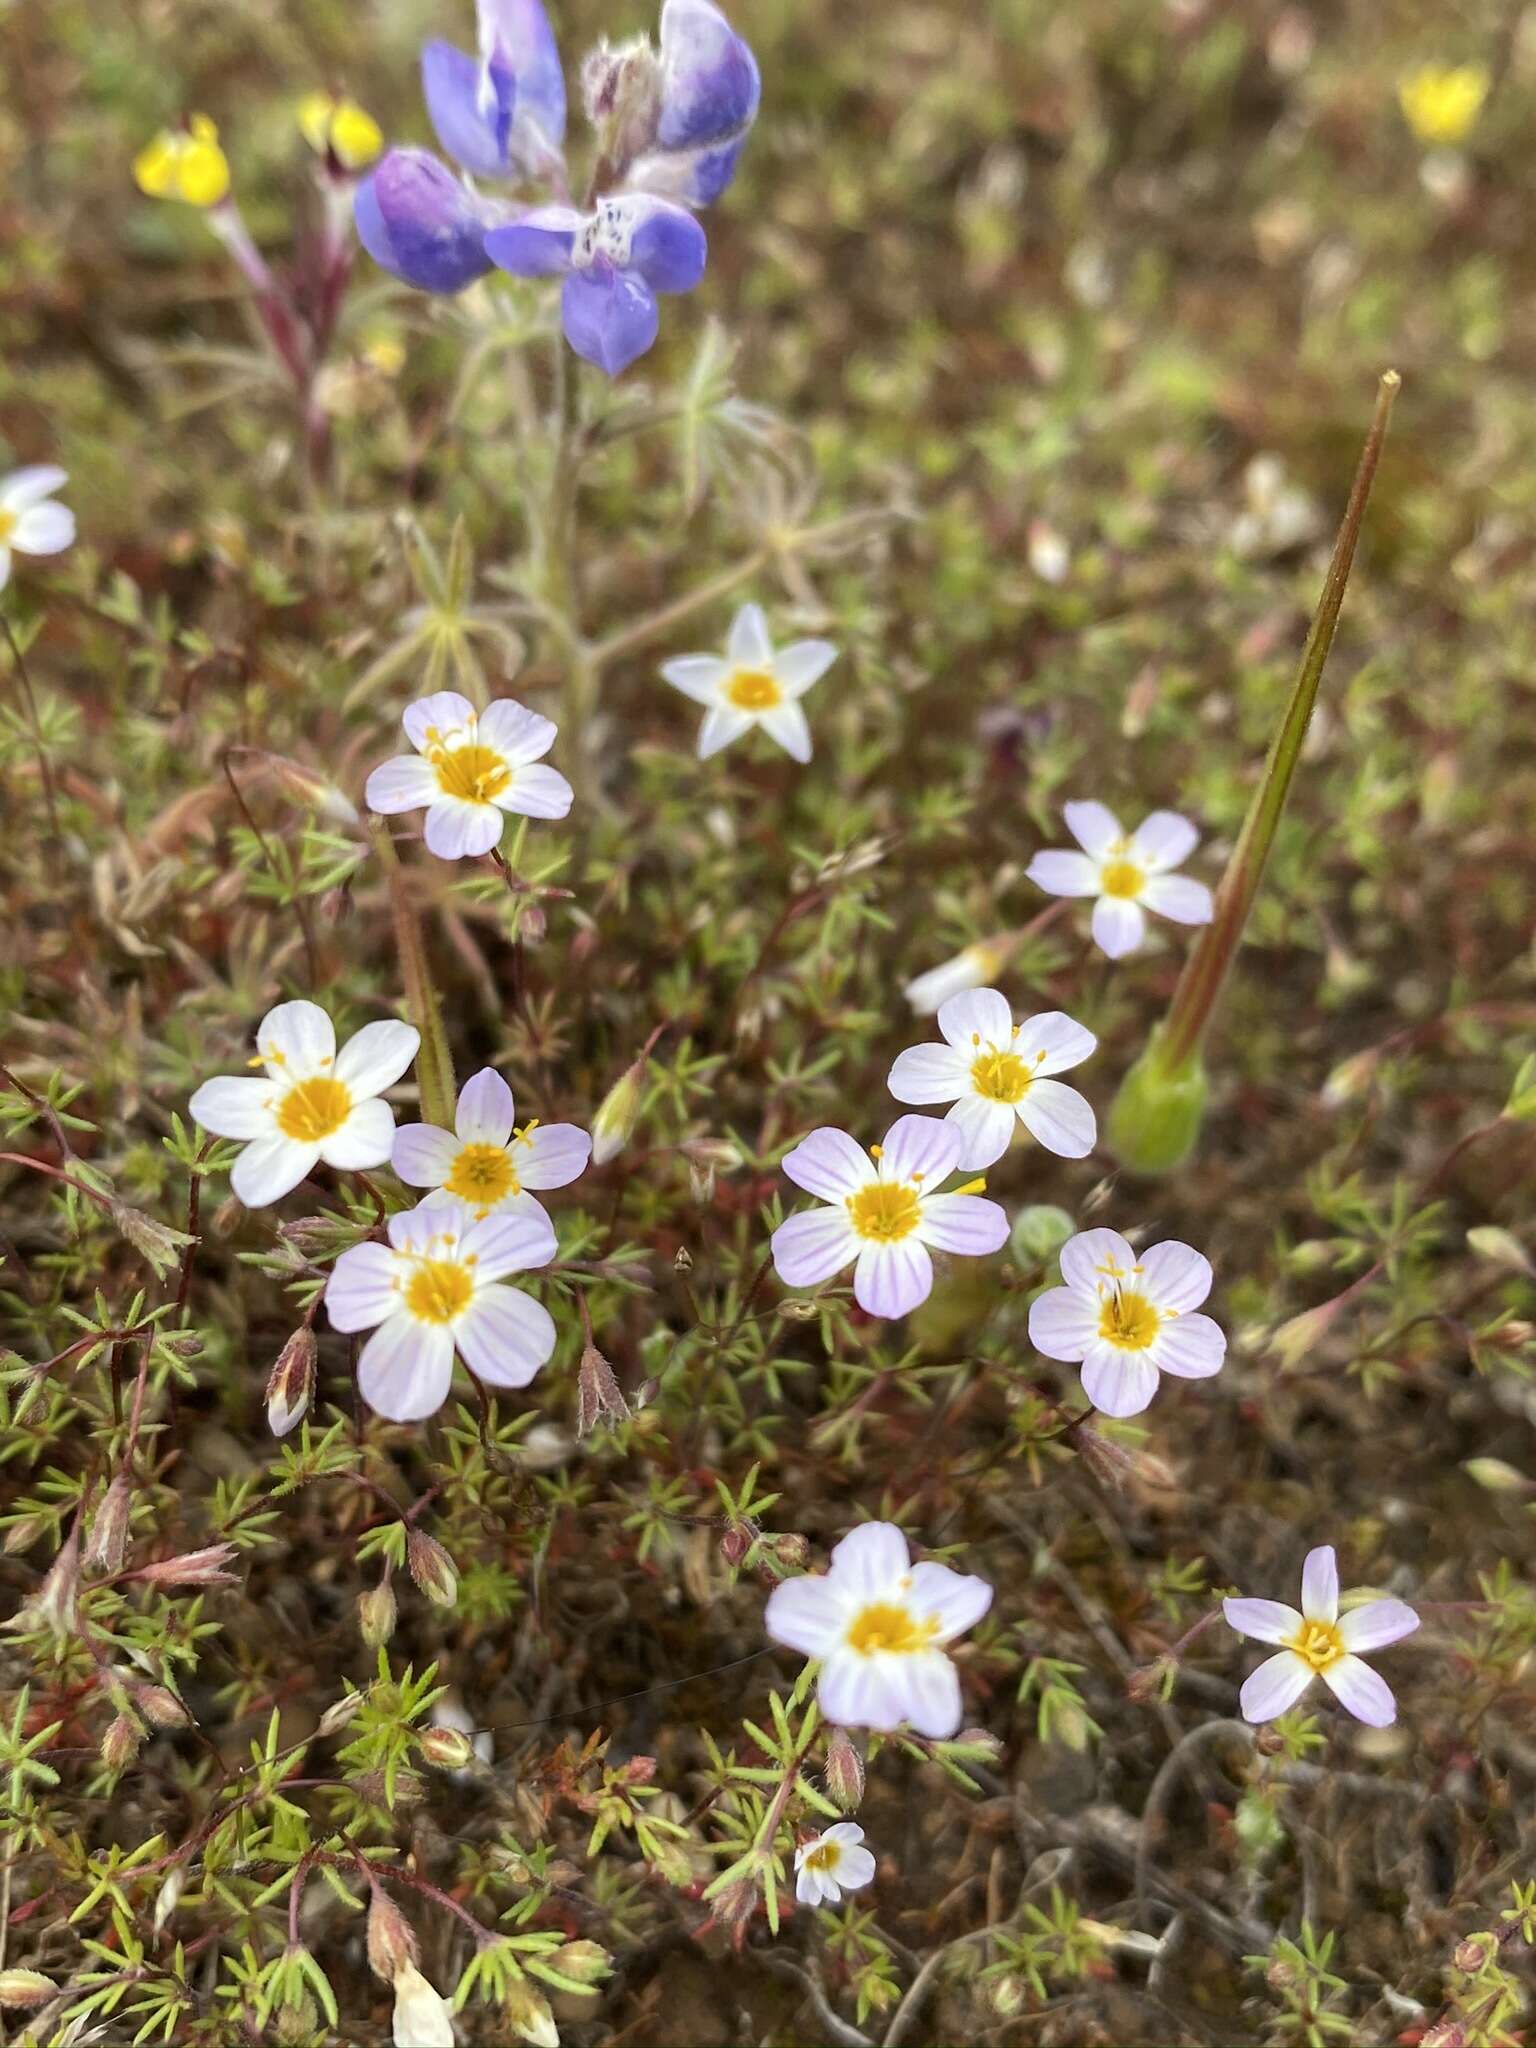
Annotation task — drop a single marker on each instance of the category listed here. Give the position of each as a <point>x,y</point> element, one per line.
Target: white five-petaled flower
<point>436,1288</point>
<point>1320,1642</point>
<point>829,1864</point>
<point>483,1160</point>
<point>883,1213</point>
<point>995,1073</point>
<point>752,685</point>
<point>1125,1316</point>
<point>469,769</point>
<point>1129,872</point>
<point>879,1624</point>
<point>314,1104</point>
<point>30,522</point>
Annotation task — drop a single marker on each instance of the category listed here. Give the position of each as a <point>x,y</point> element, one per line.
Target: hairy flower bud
<point>617,1114</point>
<point>844,1771</point>
<point>160,1706</point>
<point>583,1961</point>
<point>120,1744</point>
<point>599,1396</point>
<point>621,89</point>
<point>107,1546</point>
<point>432,1568</point>
<point>391,1940</point>
<point>191,1568</point>
<point>446,1749</point>
<point>527,2013</point>
<point>26,1989</point>
<point>377,1612</point>
<point>292,1383</point>
<point>340,1713</point>
<point>169,1895</point>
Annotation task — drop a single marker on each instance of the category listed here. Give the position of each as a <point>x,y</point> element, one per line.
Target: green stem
<point>434,1061</point>
<point>1205,972</point>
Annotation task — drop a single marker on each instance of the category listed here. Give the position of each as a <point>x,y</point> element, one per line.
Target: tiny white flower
<point>1125,1316</point>
<point>469,769</point>
<point>423,2018</point>
<point>315,1103</point>
<point>883,1213</point>
<point>832,1863</point>
<point>1320,1642</point>
<point>995,1072</point>
<point>435,1289</point>
<point>30,522</point>
<point>879,1625</point>
<point>970,969</point>
<point>483,1160</point>
<point>1129,872</point>
<point>752,685</point>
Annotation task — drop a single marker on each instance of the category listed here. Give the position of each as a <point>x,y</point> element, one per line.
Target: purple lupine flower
<point>503,114</point>
<point>418,222</point>
<point>614,262</point>
<point>710,90</point>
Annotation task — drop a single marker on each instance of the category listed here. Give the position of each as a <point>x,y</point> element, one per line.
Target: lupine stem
<point>434,1061</point>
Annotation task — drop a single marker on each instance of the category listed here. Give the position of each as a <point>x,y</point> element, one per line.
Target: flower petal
<point>1275,1687</point>
<point>1118,1382</point>
<point>892,1279</point>
<point>1118,927</point>
<point>698,676</point>
<point>407,783</point>
<point>1174,1275</point>
<point>1095,1255</point>
<point>270,1168</point>
<point>517,34</point>
<point>1162,841</point>
<point>423,1229</point>
<point>485,1111</point>
<point>29,486</point>
<point>748,644</point>
<point>667,247</point>
<point>928,1073</point>
<point>802,663</point>
<point>1320,1584</point>
<point>966,1224</point>
<point>475,131</point>
<point>986,1129</point>
<point>1191,1348</point>
<point>232,1108</point>
<point>504,1336</point>
<point>1376,1623</point>
<point>609,320</point>
<point>977,1018</point>
<point>552,1156</point>
<point>297,1041</point>
<point>1064,1042</point>
<point>1063,1324</point>
<point>457,829</point>
<point>43,530</point>
<point>444,719</point>
<point>419,223</point>
<point>363,1289</point>
<point>919,1148</point>
<point>406,1368</point>
<point>1094,826</point>
<point>513,1240</point>
<point>955,1600</point>
<point>710,85</point>
<point>812,1246</point>
<point>422,1155</point>
<point>828,1164</point>
<point>516,732</point>
<point>870,1559</point>
<point>855,1691</point>
<point>807,1614</point>
<point>932,1688</point>
<point>1061,873</point>
<point>538,243</point>
<point>1176,896</point>
<point>364,1140</point>
<point>1060,1119</point>
<point>722,724</point>
<point>855,1868</point>
<point>374,1058</point>
<point>1265,1621</point>
<point>537,791</point>
<point>1364,1692</point>
<point>788,725</point>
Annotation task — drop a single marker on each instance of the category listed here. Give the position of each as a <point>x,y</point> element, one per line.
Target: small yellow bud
<point>339,128</point>
<point>1441,102</point>
<point>185,164</point>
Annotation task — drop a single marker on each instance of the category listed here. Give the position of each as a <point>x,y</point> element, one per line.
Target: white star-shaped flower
<point>1129,872</point>
<point>752,685</point>
<point>484,1160</point>
<point>1319,1642</point>
<point>1125,1315</point>
<point>469,770</point>
<point>829,1864</point>
<point>30,522</point>
<point>996,1074</point>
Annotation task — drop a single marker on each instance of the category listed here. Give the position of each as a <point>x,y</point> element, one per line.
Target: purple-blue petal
<point>417,221</point>
<point>473,132</point>
<point>668,249</point>
<point>609,317</point>
<point>538,244</point>
<point>710,82</point>
<point>518,32</point>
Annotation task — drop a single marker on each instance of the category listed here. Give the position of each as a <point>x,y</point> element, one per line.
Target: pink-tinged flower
<point>315,1103</point>
<point>883,1213</point>
<point>470,768</point>
<point>879,1625</point>
<point>436,1289</point>
<point>1129,872</point>
<point>752,685</point>
<point>483,1160</point>
<point>1125,1316</point>
<point>827,1865</point>
<point>995,1073</point>
<point>31,521</point>
<point>1320,1642</point>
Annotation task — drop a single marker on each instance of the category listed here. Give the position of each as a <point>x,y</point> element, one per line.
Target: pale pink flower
<point>484,1160</point>
<point>1125,1316</point>
<point>996,1074</point>
<point>469,770</point>
<point>1129,872</point>
<point>1319,1642</point>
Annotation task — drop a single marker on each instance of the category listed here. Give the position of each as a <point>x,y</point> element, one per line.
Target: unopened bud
<point>682,1259</point>
<point>1474,1953</point>
<point>617,1114</point>
<point>791,1552</point>
<point>582,1961</point>
<point>527,2013</point>
<point>155,1242</point>
<point>1110,1463</point>
<point>446,1749</point>
<point>24,1990</point>
<point>621,88</point>
<point>377,1612</point>
<point>120,1744</point>
<point>169,1895</point>
<point>973,968</point>
<point>340,1713</point>
<point>432,1568</point>
<point>1268,1741</point>
<point>108,1544</point>
<point>160,1706</point>
<point>599,1396</point>
<point>796,1309</point>
<point>391,1940</point>
<point>844,1771</point>
<point>292,1383</point>
<point>191,1568</point>
<point>1147,1681</point>
<point>1155,1118</point>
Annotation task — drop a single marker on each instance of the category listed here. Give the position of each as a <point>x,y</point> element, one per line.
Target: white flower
<point>1319,1641</point>
<point>884,1213</point>
<point>483,1160</point>
<point>423,2017</point>
<point>30,523</point>
<point>1126,1316</point>
<point>879,1624</point>
<point>314,1104</point>
<point>470,768</point>
<point>752,685</point>
<point>435,1289</point>
<point>995,1073</point>
<point>830,1864</point>
<point>1130,874</point>
<point>970,969</point>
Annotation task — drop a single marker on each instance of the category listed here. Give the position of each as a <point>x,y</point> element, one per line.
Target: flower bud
<point>291,1386</point>
<point>617,1114</point>
<point>599,1396</point>
<point>1475,1952</point>
<point>735,1544</point>
<point>26,1989</point>
<point>582,1961</point>
<point>621,88</point>
<point>1157,1114</point>
<point>391,1940</point>
<point>446,1749</point>
<point>191,1568</point>
<point>340,1713</point>
<point>432,1568</point>
<point>377,1612</point>
<point>527,2013</point>
<point>160,1706</point>
<point>169,1895</point>
<point>1110,1463</point>
<point>120,1744</point>
<point>844,1771</point>
<point>791,1552</point>
<point>1494,1476</point>
<point>108,1544</point>
<point>973,968</point>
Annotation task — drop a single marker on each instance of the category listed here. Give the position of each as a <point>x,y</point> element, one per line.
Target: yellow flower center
<point>1000,1076</point>
<point>1128,1320</point>
<point>1318,1643</point>
<point>1121,878</point>
<point>823,1857</point>
<point>474,772</point>
<point>753,689</point>
<point>882,1626</point>
<point>884,1211</point>
<point>8,525</point>
<point>439,1290</point>
<point>312,1110</point>
<point>483,1174</point>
